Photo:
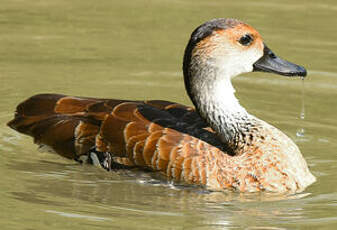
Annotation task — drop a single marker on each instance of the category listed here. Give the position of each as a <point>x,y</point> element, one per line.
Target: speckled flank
<point>217,144</point>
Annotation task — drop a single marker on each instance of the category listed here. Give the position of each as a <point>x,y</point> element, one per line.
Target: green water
<point>133,50</point>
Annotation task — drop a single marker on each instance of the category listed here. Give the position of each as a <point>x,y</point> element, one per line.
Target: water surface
<point>133,50</point>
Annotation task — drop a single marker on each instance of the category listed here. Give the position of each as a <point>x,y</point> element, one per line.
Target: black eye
<point>246,40</point>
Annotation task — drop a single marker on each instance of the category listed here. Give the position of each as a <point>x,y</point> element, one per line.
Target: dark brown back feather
<point>159,135</point>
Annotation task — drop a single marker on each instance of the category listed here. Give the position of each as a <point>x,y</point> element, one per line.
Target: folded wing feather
<point>157,135</point>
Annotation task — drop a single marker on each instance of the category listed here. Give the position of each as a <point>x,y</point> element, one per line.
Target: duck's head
<point>229,47</point>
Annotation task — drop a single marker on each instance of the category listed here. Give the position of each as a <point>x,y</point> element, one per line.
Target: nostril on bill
<point>272,55</point>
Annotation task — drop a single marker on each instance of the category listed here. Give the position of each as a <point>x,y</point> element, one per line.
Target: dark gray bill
<point>269,62</point>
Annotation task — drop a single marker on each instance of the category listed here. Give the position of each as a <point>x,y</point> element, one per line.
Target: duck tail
<point>32,110</point>
<point>46,118</point>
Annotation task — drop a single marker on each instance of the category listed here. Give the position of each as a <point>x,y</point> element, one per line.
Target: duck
<point>215,144</point>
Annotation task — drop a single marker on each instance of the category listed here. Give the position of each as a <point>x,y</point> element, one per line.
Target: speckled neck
<point>212,93</point>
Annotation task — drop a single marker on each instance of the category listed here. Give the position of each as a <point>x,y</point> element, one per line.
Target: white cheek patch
<point>250,57</point>
<point>239,61</point>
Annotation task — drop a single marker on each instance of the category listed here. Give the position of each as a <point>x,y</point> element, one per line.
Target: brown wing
<point>159,135</point>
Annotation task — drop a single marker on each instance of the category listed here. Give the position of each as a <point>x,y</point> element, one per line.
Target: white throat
<point>214,96</point>
<point>223,96</point>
